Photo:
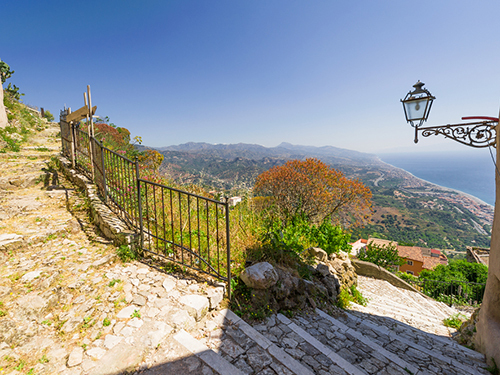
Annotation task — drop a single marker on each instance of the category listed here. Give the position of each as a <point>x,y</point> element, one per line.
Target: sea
<point>471,172</point>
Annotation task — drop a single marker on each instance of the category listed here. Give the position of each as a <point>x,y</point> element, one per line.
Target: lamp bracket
<point>474,134</point>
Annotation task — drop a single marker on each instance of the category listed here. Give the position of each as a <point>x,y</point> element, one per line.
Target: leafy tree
<point>315,191</point>
<point>5,72</point>
<point>49,116</point>
<point>450,283</point>
<point>385,256</point>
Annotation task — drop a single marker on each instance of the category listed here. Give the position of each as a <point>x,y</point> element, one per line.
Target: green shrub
<point>385,256</point>
<point>455,321</point>
<point>126,254</point>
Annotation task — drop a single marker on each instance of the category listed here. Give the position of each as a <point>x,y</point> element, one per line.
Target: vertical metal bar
<point>217,234</point>
<point>198,222</point>
<point>189,227</point>
<point>164,237</point>
<point>103,166</point>
<point>208,234</point>
<point>172,222</point>
<point>180,227</point>
<point>228,252</point>
<point>147,215</point>
<point>139,204</point>
<point>155,216</point>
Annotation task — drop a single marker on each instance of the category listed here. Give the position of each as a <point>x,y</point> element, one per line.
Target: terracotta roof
<point>431,262</point>
<point>411,252</point>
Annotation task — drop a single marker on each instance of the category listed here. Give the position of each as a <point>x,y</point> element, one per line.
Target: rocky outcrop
<point>281,288</point>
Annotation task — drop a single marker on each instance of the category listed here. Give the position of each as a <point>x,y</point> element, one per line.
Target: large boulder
<point>260,276</point>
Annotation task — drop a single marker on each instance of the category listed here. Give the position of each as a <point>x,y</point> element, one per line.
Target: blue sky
<point>259,71</point>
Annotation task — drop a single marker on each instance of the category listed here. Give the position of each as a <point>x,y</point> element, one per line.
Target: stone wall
<point>110,225</point>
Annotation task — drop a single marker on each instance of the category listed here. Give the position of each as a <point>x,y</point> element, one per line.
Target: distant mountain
<point>284,151</point>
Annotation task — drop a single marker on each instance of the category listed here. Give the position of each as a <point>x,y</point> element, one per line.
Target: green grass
<point>455,321</point>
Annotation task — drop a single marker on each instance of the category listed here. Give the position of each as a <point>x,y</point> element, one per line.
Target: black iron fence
<point>175,225</point>
<point>451,292</point>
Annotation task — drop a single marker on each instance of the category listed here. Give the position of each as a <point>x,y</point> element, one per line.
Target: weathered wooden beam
<point>80,114</point>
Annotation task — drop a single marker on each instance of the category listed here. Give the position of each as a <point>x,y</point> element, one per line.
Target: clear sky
<point>311,72</point>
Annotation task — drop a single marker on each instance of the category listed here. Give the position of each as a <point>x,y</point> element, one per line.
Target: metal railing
<point>175,225</point>
<point>453,292</point>
<point>185,228</point>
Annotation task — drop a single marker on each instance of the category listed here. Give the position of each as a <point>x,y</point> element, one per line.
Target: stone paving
<point>68,304</point>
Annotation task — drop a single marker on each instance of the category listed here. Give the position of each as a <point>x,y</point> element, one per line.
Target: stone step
<point>380,304</point>
<point>242,346</point>
<point>383,289</point>
<point>407,305</point>
<point>212,359</point>
<point>422,324</point>
<point>384,352</point>
<point>348,348</point>
<point>417,345</point>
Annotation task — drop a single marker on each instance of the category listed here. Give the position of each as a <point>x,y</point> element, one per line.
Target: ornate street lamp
<point>417,105</point>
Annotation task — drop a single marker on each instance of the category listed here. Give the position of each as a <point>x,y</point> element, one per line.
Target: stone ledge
<point>112,227</point>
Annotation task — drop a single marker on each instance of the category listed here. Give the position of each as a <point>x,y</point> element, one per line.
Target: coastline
<point>440,187</point>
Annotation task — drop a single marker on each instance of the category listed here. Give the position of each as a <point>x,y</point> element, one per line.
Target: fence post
<point>139,203</point>
<point>104,184</point>
<point>73,145</point>
<point>228,250</point>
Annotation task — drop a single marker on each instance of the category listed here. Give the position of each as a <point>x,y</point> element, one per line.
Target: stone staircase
<point>398,332</point>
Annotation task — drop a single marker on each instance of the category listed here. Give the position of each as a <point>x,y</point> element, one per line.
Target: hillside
<point>406,208</point>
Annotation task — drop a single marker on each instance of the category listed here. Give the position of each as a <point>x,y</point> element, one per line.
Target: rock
<point>30,276</point>
<point>323,269</point>
<point>215,297</point>
<point>197,306</point>
<point>122,359</point>
<point>96,353</point>
<point>169,284</point>
<point>317,253</point>
<point>10,241</point>
<point>126,312</point>
<point>75,357</point>
<point>110,341</point>
<point>260,276</point>
<point>32,306</point>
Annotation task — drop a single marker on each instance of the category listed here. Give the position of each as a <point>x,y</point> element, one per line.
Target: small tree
<point>315,191</point>
<point>5,72</point>
<point>385,256</point>
<point>49,116</point>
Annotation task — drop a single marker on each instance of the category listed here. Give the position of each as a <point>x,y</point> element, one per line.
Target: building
<point>420,258</point>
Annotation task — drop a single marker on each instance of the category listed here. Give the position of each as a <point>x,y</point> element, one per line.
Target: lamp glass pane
<point>415,109</point>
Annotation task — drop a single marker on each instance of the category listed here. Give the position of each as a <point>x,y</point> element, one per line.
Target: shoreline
<point>440,187</point>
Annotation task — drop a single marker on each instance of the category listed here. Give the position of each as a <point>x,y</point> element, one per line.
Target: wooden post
<point>90,133</point>
<point>73,141</point>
